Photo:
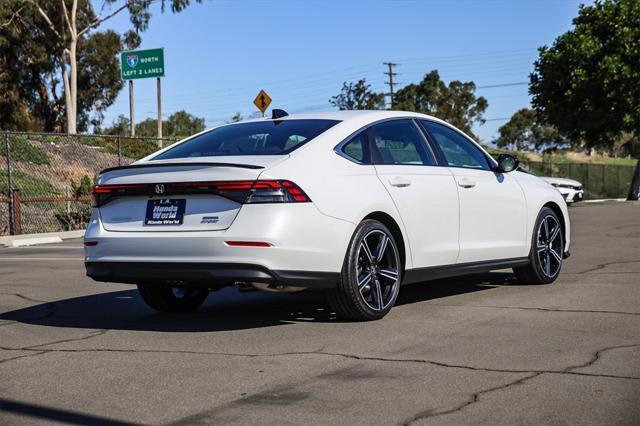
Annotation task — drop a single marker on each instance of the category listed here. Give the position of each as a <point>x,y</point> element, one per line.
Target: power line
<point>390,74</point>
<point>521,83</point>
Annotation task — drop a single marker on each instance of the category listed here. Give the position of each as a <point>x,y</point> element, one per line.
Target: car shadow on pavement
<point>225,310</point>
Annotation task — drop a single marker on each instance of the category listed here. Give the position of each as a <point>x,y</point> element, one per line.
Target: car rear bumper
<point>299,238</point>
<point>206,274</point>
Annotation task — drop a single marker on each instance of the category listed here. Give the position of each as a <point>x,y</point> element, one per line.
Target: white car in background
<point>570,189</point>
<point>351,203</point>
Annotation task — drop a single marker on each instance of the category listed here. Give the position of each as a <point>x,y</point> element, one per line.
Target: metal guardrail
<point>46,178</point>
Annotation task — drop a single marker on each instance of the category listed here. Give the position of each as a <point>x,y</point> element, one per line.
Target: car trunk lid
<point>183,195</point>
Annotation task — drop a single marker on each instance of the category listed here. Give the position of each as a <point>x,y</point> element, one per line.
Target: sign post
<point>262,101</point>
<point>135,64</point>
<point>132,123</point>
<point>159,91</point>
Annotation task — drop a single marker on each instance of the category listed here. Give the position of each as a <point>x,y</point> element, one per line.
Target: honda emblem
<point>159,189</point>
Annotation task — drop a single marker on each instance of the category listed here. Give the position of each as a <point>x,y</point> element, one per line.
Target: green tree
<point>456,103</point>
<point>180,123</point>
<point>525,131</point>
<point>58,34</point>
<point>119,127</point>
<point>357,96</point>
<point>587,83</point>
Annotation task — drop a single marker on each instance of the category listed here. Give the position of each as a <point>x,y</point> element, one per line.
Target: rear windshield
<point>258,138</point>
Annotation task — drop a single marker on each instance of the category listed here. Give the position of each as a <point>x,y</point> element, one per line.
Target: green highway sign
<point>136,64</point>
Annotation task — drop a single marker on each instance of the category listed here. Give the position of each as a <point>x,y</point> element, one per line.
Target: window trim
<point>441,157</point>
<point>367,128</point>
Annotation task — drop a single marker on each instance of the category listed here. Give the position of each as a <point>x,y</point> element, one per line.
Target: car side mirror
<point>507,163</point>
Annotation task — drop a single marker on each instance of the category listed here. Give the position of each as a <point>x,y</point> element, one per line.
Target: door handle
<point>399,182</point>
<point>465,182</point>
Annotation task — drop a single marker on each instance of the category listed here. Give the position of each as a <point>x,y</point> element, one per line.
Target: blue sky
<point>219,54</point>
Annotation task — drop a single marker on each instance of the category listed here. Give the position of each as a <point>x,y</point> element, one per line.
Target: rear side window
<point>399,142</point>
<point>257,138</point>
<point>355,148</point>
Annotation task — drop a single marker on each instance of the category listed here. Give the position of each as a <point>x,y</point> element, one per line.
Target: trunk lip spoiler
<point>179,164</point>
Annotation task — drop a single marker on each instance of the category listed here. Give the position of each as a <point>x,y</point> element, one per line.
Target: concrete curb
<point>33,239</point>
<point>604,200</point>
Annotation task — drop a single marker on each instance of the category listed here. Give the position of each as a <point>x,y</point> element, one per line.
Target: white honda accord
<point>352,203</point>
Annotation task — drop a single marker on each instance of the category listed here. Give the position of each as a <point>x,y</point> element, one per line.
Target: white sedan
<point>352,203</point>
<point>570,189</point>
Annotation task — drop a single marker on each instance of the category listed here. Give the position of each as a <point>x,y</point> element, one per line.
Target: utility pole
<point>391,83</point>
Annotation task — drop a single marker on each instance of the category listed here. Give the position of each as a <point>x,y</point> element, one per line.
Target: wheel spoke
<point>556,255</point>
<point>541,248</point>
<point>389,273</point>
<point>362,282</point>
<point>382,247</point>
<point>378,292</point>
<point>367,250</point>
<point>547,265</point>
<point>546,228</point>
<point>555,233</point>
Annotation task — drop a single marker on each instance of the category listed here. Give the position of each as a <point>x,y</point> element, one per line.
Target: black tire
<point>164,298</point>
<point>379,275</point>
<point>547,249</point>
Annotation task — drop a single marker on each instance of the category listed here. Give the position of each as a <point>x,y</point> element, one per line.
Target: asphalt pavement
<point>473,350</point>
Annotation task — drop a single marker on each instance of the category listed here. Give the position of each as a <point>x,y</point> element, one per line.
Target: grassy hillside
<point>564,157</point>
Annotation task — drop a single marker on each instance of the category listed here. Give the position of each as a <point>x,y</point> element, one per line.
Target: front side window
<point>257,138</point>
<point>399,142</point>
<point>458,151</point>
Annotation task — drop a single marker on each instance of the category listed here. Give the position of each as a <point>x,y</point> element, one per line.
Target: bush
<point>28,185</point>
<point>23,150</point>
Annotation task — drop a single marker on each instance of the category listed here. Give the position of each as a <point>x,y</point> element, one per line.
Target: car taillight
<point>241,191</point>
<point>102,193</point>
<point>276,191</point>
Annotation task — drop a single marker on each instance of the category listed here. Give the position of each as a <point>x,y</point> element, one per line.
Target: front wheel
<point>164,298</point>
<point>371,275</point>
<point>547,248</point>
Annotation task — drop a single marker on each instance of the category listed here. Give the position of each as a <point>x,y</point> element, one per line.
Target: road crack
<point>604,265</point>
<point>533,308</point>
<point>475,397</point>
<point>569,370</point>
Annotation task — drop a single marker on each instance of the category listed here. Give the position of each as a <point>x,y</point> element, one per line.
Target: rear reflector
<point>247,244</point>
<point>241,191</point>
<point>90,243</point>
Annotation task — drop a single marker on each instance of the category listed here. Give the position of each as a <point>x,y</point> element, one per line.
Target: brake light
<point>276,191</point>
<point>242,191</point>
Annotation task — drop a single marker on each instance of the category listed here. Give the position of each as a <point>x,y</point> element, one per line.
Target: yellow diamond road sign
<point>262,101</point>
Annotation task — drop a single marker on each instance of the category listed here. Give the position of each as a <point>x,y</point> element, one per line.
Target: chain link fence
<point>598,180</point>
<point>46,178</point>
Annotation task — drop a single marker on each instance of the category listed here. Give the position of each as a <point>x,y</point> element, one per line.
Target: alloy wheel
<point>377,270</point>
<point>549,246</point>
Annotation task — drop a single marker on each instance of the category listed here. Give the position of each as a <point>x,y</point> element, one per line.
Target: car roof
<point>346,115</point>
<point>352,115</point>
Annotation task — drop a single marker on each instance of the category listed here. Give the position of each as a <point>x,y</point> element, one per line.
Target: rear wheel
<point>165,298</point>
<point>547,248</point>
<point>371,275</point>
